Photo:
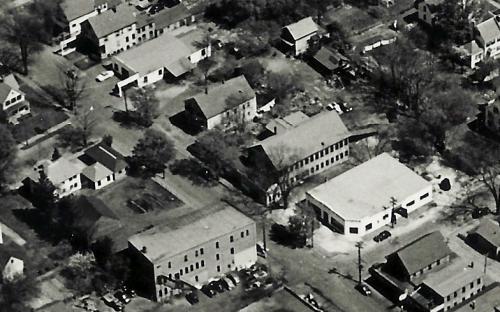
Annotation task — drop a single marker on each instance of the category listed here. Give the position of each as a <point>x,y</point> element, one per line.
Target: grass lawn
<point>146,194</point>
<point>352,18</point>
<point>43,117</point>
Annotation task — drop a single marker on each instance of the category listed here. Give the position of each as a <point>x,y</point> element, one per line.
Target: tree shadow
<point>181,121</point>
<point>346,276</point>
<point>37,221</point>
<point>281,235</point>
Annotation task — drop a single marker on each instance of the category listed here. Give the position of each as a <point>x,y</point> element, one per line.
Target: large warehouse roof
<point>364,190</point>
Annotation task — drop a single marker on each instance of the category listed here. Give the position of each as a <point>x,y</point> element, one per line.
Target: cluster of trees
<point>8,152</point>
<point>24,30</point>
<point>454,20</point>
<point>145,104</point>
<point>16,294</point>
<point>151,153</point>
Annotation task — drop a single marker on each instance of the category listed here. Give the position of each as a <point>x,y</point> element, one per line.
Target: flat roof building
<point>360,200</point>
<point>194,252</point>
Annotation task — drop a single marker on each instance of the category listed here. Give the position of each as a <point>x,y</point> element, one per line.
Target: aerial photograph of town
<point>250,155</point>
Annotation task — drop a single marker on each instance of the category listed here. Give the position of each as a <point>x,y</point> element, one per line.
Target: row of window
<point>319,154</point>
<point>14,100</point>
<point>319,166</point>
<point>188,269</point>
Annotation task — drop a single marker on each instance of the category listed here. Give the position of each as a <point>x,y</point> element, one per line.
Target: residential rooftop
<point>423,251</point>
<point>328,58</point>
<point>62,169</point>
<point>110,21</point>
<point>309,137</point>
<point>218,99</point>
<point>168,16</point>
<point>164,242</point>
<point>489,230</point>
<point>366,189</point>
<point>489,30</point>
<point>302,28</point>
<point>107,156</point>
<point>452,276</point>
<point>164,51</point>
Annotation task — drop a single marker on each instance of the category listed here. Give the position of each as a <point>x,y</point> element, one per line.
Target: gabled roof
<point>107,156</point>
<point>168,16</point>
<point>96,172</point>
<point>452,277</point>
<point>307,138</point>
<point>302,28</point>
<point>8,84</point>
<point>365,190</point>
<point>216,101</point>
<point>423,251</point>
<point>155,54</point>
<point>4,91</point>
<point>490,231</point>
<point>61,170</point>
<point>329,59</point>
<point>164,242</point>
<point>112,20</point>
<point>95,217</point>
<point>489,30</point>
<point>292,120</point>
<point>74,9</point>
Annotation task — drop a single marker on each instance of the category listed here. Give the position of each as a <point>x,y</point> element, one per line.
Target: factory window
<point>231,239</point>
<point>217,257</point>
<point>197,265</point>
<point>410,203</point>
<point>191,267</point>
<point>196,253</point>
<point>169,265</point>
<point>216,244</point>
<point>368,227</point>
<point>196,278</point>
<point>202,263</point>
<point>185,258</point>
<point>424,196</point>
<point>218,268</point>
<point>232,251</point>
<point>201,251</point>
<point>353,230</point>
<point>247,232</point>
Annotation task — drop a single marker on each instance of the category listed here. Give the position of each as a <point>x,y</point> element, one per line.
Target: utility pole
<point>359,245</point>
<point>485,262</point>
<point>394,202</point>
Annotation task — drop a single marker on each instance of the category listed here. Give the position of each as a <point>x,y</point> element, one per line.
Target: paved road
<point>16,238</point>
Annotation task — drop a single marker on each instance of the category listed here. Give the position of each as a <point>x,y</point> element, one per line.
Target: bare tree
<point>368,148</point>
<point>74,87</point>
<point>23,29</point>
<point>86,122</point>
<point>283,158</point>
<point>205,66</point>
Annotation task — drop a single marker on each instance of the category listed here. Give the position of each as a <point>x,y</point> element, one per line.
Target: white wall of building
<point>371,223</point>
<point>118,41</point>
<point>69,186</point>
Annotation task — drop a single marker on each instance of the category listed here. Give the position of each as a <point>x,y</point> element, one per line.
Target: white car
<point>335,106</point>
<point>105,75</point>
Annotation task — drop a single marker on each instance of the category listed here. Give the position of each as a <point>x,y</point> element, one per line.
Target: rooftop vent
<point>144,249</point>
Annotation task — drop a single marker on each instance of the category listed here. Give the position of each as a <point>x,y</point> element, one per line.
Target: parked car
<point>192,297</point>
<point>105,75</point>
<point>130,292</point>
<point>155,8</point>
<point>253,286</point>
<point>260,274</point>
<point>382,236</point>
<point>363,288</point>
<point>217,286</point>
<point>335,106</point>
<point>112,302</point>
<point>228,283</point>
<point>480,212</point>
<point>120,295</point>
<point>345,107</point>
<point>208,290</point>
<point>234,278</point>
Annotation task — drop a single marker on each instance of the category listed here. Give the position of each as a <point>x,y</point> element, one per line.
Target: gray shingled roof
<point>307,138</point>
<point>423,251</point>
<point>215,102</point>
<point>171,15</point>
<point>107,156</point>
<point>111,21</point>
